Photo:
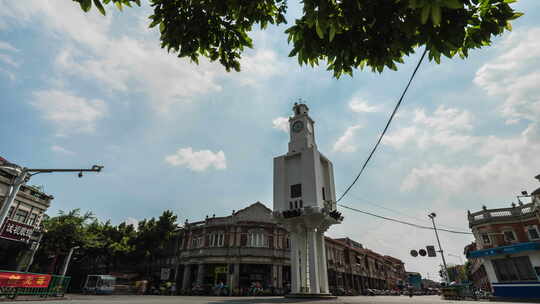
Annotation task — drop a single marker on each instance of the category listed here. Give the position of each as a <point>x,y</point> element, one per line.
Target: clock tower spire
<point>302,132</point>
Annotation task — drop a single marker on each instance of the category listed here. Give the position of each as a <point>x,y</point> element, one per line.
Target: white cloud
<point>197,160</point>
<point>281,123</point>
<point>259,66</point>
<point>346,143</point>
<point>70,113</point>
<point>8,47</point>
<point>360,105</point>
<point>508,164</point>
<point>447,127</point>
<point>514,75</point>
<point>61,150</point>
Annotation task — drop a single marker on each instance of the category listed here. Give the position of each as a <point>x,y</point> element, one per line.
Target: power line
<point>402,222</point>
<point>386,127</point>
<point>364,200</point>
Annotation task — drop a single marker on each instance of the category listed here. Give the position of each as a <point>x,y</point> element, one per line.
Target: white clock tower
<point>305,203</point>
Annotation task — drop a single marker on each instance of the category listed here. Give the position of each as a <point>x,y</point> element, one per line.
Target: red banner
<point>16,231</point>
<point>15,279</point>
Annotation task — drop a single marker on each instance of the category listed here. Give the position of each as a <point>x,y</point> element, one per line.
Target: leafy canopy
<point>347,34</point>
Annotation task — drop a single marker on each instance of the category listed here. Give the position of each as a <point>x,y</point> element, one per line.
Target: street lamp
<point>23,175</point>
<point>432,216</point>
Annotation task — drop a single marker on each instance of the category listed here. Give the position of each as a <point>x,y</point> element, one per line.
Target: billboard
<point>15,279</point>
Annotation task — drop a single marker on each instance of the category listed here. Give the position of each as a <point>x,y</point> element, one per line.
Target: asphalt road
<point>129,299</point>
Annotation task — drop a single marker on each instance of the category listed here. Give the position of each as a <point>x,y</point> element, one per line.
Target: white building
<point>305,203</point>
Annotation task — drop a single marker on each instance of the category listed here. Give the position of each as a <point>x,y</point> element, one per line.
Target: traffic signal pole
<point>432,217</point>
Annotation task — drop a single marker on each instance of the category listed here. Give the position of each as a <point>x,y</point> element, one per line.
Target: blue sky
<point>81,89</point>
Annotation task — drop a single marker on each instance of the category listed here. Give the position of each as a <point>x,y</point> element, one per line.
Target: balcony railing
<point>516,212</point>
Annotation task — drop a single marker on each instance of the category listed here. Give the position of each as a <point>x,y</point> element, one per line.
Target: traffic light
<point>431,251</point>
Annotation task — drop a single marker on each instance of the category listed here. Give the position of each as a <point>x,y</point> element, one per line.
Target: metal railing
<point>514,212</point>
<point>56,287</point>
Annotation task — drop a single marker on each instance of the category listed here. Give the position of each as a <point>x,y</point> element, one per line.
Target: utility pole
<point>23,175</point>
<point>432,217</point>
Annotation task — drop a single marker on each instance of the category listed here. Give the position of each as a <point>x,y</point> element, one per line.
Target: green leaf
<point>100,7</point>
<point>86,5</point>
<point>454,4</point>
<point>320,32</point>
<point>118,5</point>
<point>332,32</point>
<point>436,15</point>
<point>425,14</point>
<point>162,27</point>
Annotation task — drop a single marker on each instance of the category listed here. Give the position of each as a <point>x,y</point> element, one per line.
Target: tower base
<point>311,296</point>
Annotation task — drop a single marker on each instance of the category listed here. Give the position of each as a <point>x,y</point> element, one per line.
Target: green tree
<point>63,232</point>
<point>346,34</point>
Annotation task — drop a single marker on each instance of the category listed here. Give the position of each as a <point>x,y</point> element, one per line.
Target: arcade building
<point>248,246</point>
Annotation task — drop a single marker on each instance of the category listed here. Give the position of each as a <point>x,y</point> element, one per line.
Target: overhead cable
<point>403,222</point>
<point>386,127</point>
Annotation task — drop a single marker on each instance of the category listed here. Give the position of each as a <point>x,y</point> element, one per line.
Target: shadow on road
<point>270,301</point>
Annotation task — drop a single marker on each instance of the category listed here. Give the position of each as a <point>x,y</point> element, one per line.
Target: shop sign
<point>16,231</point>
<point>15,279</point>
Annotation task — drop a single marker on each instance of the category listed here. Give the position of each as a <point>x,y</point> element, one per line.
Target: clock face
<point>297,126</point>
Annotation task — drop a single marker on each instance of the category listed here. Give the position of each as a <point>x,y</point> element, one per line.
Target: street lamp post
<point>68,258</point>
<point>23,175</point>
<point>432,217</point>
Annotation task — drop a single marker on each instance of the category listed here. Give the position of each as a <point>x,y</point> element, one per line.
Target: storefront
<point>513,271</point>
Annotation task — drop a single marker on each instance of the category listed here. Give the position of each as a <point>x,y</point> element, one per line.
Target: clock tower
<point>305,204</point>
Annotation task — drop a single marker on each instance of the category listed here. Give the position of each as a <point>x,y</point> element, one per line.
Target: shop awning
<point>504,250</point>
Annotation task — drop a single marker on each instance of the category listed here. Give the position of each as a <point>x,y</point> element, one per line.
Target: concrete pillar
<point>187,277</point>
<point>200,274</point>
<point>236,276</point>
<point>274,275</point>
<point>295,265</point>
<point>279,276</point>
<point>323,269</point>
<point>314,286</point>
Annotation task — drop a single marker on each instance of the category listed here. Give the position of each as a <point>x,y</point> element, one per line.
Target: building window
<point>217,239</point>
<point>257,239</point>
<point>32,219</point>
<point>514,269</point>
<point>486,239</point>
<point>196,242</point>
<point>323,194</point>
<point>509,235</point>
<point>20,216</point>
<point>296,190</point>
<point>533,232</point>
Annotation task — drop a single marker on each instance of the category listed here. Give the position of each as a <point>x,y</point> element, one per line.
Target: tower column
<point>303,260</point>
<point>323,270</point>
<point>313,262</point>
<point>295,265</point>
